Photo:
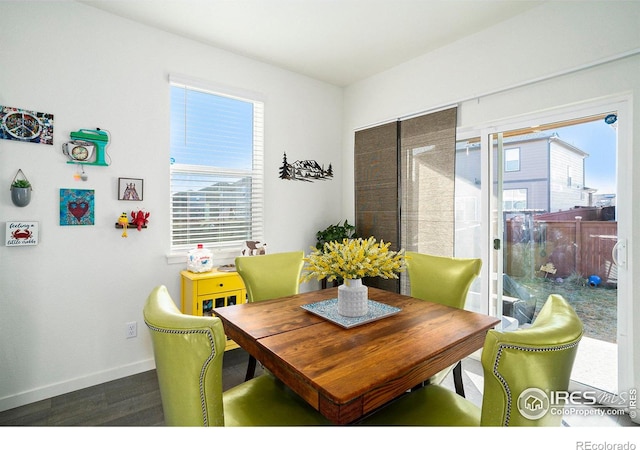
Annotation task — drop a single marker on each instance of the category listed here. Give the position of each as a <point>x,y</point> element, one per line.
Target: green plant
<point>21,184</point>
<point>335,233</point>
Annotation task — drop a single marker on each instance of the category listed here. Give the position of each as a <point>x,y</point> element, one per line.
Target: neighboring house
<point>541,172</point>
<point>219,213</point>
<point>543,182</point>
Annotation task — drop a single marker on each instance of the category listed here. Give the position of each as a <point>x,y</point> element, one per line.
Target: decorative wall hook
<point>138,220</point>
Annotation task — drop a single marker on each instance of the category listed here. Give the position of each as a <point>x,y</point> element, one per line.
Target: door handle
<point>496,244</point>
<point>619,253</point>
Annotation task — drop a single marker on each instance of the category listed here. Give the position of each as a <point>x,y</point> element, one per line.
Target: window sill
<point>220,257</point>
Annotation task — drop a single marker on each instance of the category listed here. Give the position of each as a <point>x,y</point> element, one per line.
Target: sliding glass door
<point>547,198</point>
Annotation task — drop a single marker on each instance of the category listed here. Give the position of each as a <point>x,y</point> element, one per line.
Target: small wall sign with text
<point>21,233</point>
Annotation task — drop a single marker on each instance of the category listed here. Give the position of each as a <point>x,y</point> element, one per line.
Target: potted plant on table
<point>20,190</point>
<point>351,260</point>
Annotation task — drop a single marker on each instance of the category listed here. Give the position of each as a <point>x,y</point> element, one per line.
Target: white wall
<point>64,303</point>
<point>545,44</point>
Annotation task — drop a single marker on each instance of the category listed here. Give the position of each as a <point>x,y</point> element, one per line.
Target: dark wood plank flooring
<point>129,401</point>
<point>134,401</point>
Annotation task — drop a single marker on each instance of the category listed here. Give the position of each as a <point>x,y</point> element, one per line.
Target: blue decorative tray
<point>328,309</point>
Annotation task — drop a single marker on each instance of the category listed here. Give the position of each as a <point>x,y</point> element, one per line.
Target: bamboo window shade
<point>404,185</point>
<point>427,149</point>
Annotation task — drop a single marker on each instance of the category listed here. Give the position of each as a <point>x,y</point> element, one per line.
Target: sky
<point>211,130</point>
<point>598,139</point>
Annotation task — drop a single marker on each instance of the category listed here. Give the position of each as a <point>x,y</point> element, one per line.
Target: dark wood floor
<point>135,401</point>
<point>130,401</point>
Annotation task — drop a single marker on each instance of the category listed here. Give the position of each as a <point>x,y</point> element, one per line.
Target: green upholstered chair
<point>443,280</point>
<point>188,352</point>
<point>517,365</point>
<point>267,277</point>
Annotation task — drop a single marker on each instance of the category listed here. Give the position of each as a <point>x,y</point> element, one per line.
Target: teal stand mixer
<point>97,137</point>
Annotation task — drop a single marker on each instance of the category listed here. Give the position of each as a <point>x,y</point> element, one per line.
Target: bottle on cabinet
<point>199,260</point>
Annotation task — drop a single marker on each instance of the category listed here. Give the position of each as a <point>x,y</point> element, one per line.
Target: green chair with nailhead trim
<point>188,352</point>
<point>520,369</point>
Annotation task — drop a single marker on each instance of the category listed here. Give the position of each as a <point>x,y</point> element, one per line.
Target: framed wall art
<point>77,207</point>
<point>18,124</point>
<point>130,189</point>
<point>21,233</point>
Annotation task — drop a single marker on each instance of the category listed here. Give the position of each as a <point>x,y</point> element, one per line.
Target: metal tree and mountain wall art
<point>307,170</point>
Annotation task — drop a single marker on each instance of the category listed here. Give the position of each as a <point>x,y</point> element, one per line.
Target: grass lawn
<point>596,306</point>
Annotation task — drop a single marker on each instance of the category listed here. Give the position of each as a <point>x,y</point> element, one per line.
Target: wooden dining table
<point>346,373</point>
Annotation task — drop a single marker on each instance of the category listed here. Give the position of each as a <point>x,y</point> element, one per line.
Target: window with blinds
<point>216,168</point>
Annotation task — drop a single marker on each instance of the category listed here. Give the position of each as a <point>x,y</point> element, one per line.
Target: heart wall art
<point>77,207</point>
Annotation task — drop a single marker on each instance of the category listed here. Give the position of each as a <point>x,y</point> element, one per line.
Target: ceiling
<point>337,41</point>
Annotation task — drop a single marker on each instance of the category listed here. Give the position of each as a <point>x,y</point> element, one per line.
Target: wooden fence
<point>572,246</point>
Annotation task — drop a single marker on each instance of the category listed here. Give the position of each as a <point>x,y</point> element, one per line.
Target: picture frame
<point>130,189</point>
<point>21,233</point>
<point>17,124</point>
<point>77,207</point>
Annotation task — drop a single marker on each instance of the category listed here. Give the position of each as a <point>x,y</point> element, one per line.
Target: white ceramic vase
<point>353,298</point>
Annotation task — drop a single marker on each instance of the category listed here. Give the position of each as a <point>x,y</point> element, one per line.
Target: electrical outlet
<point>132,329</point>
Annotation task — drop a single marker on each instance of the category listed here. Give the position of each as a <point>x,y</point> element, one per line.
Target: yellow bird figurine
<point>124,221</point>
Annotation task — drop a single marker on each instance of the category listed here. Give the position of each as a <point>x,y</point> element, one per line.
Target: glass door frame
<point>621,104</point>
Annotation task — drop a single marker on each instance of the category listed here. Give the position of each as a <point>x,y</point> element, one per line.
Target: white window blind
<point>216,168</point>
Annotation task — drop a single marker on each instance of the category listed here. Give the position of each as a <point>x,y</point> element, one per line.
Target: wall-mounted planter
<point>20,190</point>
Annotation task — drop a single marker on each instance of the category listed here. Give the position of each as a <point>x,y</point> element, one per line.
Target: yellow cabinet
<point>202,292</point>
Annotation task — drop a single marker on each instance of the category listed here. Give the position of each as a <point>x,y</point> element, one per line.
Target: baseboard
<point>45,392</point>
